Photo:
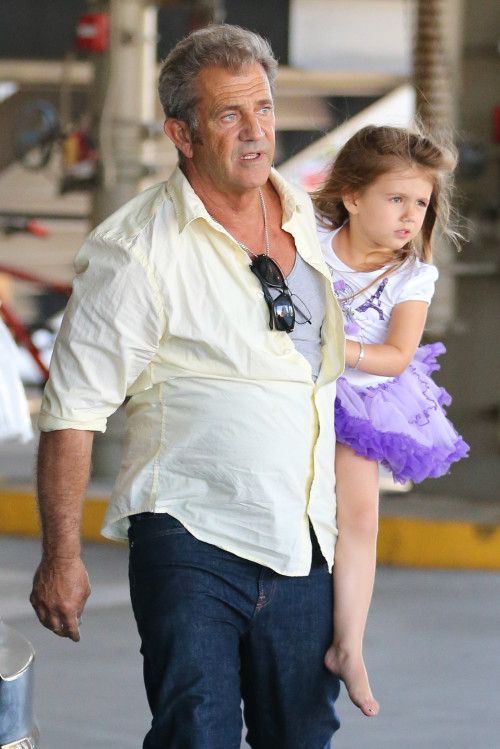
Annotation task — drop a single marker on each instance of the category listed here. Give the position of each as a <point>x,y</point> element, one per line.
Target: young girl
<point>386,191</point>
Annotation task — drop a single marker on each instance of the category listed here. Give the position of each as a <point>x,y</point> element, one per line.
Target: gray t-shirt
<point>307,286</point>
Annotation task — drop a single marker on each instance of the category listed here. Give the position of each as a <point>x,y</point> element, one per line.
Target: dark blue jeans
<point>216,629</point>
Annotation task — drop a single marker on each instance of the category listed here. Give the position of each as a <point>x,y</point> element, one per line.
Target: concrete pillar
<point>436,75</point>
<point>431,68</point>
<point>125,91</point>
<point>127,80</point>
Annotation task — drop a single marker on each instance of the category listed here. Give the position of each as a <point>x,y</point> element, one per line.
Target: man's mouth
<point>251,156</point>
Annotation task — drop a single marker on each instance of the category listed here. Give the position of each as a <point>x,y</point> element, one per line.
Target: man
<point>226,488</point>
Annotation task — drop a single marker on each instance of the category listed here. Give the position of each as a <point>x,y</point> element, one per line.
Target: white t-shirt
<point>366,316</point>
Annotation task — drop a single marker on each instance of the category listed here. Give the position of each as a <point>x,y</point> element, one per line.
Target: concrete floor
<point>432,649</point>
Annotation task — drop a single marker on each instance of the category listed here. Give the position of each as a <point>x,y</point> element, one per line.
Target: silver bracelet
<point>361,355</point>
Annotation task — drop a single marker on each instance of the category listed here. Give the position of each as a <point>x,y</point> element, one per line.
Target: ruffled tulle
<point>401,423</point>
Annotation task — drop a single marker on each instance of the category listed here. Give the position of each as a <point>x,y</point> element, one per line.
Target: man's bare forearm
<point>61,585</point>
<point>64,459</point>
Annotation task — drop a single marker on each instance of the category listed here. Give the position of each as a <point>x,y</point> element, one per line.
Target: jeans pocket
<point>154,541</point>
<point>150,526</point>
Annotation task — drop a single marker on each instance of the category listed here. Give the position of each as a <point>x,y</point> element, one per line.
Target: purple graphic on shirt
<point>351,327</point>
<point>345,295</point>
<point>340,287</point>
<point>374,301</point>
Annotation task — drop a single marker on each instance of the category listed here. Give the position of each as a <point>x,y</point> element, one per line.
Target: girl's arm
<point>403,336</point>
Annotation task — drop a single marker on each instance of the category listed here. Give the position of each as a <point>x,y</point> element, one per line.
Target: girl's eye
<point>422,203</point>
<point>396,199</point>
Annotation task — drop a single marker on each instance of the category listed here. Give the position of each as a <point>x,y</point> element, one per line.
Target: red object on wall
<point>92,32</point>
<point>495,121</point>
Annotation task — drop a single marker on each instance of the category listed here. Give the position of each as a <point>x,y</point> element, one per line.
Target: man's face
<point>233,147</point>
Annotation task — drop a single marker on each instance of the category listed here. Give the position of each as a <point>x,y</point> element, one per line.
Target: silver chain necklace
<point>266,233</point>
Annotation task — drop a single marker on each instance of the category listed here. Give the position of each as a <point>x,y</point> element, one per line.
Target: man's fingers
<point>41,611</point>
<point>62,625</point>
<point>59,595</point>
<point>68,629</point>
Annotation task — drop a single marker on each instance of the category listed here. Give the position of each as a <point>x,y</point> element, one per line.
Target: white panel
<point>352,34</point>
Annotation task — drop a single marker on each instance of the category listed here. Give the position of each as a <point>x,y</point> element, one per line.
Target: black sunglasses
<point>282,308</point>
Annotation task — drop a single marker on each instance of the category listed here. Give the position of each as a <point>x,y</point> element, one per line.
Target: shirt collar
<point>189,207</point>
<point>187,204</point>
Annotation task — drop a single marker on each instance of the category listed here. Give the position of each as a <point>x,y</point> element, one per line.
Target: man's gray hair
<point>224,46</point>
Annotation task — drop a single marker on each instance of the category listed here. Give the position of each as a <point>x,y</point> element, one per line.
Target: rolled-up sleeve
<point>109,334</point>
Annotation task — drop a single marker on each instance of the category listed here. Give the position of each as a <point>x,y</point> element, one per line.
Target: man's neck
<point>229,208</point>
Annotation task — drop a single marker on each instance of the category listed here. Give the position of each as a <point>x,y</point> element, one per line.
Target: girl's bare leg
<point>354,572</point>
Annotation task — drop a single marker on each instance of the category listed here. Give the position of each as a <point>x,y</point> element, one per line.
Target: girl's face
<point>390,212</point>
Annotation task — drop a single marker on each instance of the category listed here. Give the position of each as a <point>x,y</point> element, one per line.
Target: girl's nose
<point>409,216</point>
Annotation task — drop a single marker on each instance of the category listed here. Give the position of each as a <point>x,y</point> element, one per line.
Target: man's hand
<point>60,589</point>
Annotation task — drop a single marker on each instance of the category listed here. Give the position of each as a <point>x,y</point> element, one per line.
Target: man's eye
<point>229,117</point>
<point>266,110</point>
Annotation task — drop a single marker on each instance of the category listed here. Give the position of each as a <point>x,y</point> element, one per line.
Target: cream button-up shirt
<point>226,430</point>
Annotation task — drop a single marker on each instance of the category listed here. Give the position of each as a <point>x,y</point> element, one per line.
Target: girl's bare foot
<point>351,669</point>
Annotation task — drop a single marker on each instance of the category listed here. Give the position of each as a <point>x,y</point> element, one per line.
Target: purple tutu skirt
<point>401,423</point>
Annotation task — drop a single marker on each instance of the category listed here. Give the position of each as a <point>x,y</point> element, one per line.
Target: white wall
<point>352,35</point>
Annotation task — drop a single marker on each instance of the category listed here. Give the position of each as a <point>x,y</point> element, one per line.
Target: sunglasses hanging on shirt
<point>282,310</point>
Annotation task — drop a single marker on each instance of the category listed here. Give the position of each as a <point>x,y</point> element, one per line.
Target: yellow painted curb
<point>414,542</point>
<point>403,541</point>
<point>18,515</point>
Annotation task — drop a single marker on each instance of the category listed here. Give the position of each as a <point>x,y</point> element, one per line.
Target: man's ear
<point>349,200</point>
<point>179,134</point>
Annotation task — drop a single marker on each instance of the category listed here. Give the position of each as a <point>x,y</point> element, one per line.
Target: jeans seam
<point>262,599</point>
<point>158,534</point>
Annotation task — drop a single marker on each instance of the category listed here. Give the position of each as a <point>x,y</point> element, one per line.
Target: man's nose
<point>252,128</point>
